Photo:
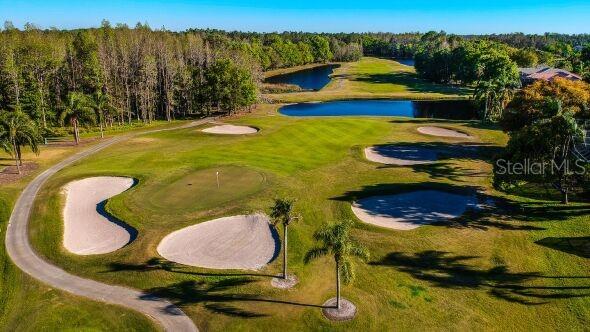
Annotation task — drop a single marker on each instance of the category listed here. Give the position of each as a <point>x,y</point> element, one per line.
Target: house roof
<point>547,74</point>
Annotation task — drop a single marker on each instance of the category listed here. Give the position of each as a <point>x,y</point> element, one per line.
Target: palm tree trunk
<point>285,254</point>
<point>337,285</point>
<point>101,132</point>
<point>75,125</point>
<point>15,156</point>
<point>43,109</point>
<point>19,155</point>
<point>485,112</point>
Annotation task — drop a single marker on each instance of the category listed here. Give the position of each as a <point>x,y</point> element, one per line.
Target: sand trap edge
<point>105,218</point>
<point>366,216</point>
<point>372,155</point>
<point>219,236</point>
<point>439,131</point>
<point>228,129</point>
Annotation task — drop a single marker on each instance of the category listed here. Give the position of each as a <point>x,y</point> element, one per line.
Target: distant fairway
<point>198,190</point>
<point>376,78</point>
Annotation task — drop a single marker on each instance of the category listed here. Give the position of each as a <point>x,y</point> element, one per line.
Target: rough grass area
<point>490,270</point>
<point>375,78</point>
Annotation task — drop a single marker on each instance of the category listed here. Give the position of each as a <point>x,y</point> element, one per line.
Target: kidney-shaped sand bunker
<point>88,229</point>
<point>401,155</point>
<point>413,209</point>
<point>246,242</point>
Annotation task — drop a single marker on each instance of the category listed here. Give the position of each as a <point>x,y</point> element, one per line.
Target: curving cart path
<point>19,249</point>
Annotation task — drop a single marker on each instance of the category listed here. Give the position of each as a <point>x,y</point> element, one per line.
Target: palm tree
<point>100,103</point>
<point>282,212</point>
<point>18,130</point>
<point>494,95</point>
<point>337,241</point>
<point>78,109</point>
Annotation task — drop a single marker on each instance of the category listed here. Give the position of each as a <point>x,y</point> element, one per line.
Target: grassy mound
<point>198,190</point>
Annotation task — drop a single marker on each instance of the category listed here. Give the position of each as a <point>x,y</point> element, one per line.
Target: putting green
<point>199,190</point>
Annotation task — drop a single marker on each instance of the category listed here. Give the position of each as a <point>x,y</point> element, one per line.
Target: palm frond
<point>336,239</point>
<point>315,253</point>
<point>359,251</point>
<point>347,272</point>
<point>281,211</point>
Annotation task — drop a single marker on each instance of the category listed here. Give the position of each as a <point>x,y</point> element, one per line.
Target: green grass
<point>517,268</point>
<point>198,190</point>
<point>282,71</point>
<point>28,305</point>
<point>375,78</point>
<point>485,273</point>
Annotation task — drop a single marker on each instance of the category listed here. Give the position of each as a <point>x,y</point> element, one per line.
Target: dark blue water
<point>407,62</point>
<point>451,110</point>
<point>307,79</point>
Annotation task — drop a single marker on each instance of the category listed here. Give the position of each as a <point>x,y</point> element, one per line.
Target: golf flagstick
<point>217,179</point>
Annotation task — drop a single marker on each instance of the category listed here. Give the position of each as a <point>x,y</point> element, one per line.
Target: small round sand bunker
<point>442,132</point>
<point>401,155</point>
<point>411,210</point>
<point>88,229</point>
<point>245,242</point>
<point>230,130</point>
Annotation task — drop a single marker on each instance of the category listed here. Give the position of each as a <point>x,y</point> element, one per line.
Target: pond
<point>446,109</point>
<point>408,62</point>
<point>308,79</point>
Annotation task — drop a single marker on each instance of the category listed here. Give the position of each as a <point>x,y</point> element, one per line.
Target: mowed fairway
<point>484,271</point>
<point>376,78</point>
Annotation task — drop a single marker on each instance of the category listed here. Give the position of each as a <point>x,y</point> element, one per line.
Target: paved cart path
<point>170,317</point>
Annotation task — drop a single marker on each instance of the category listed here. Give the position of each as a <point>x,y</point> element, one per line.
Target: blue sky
<point>453,16</point>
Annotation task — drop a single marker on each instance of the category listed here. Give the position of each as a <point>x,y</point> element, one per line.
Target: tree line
<point>289,49</point>
<point>121,74</point>
<point>545,122</point>
<point>486,66</point>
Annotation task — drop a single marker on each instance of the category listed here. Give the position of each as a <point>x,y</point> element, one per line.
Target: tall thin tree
<point>100,103</point>
<point>282,212</point>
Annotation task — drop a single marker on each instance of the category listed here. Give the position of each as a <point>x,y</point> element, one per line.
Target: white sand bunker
<point>230,130</point>
<point>413,209</point>
<point>401,155</point>
<point>245,242</point>
<point>88,229</point>
<point>442,132</point>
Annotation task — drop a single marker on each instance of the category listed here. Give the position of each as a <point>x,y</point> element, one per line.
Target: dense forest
<point>125,73</point>
<point>115,74</point>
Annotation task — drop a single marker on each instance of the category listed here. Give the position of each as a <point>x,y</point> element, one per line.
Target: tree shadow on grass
<point>446,170</point>
<point>541,211</point>
<point>155,263</point>
<point>216,296</point>
<point>579,246</point>
<point>427,121</point>
<point>468,151</point>
<point>444,270</point>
